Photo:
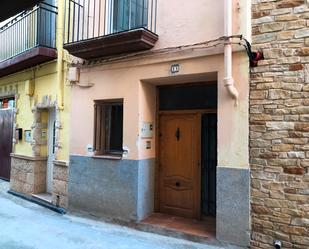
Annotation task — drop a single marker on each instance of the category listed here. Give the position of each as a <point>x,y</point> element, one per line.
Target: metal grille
<point>88,19</point>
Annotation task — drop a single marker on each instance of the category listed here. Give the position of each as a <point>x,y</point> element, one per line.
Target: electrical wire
<point>201,45</point>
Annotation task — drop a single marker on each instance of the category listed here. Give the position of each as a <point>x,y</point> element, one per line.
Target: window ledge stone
<point>110,157</point>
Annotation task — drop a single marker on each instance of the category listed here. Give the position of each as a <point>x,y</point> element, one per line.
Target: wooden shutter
<point>99,127</point>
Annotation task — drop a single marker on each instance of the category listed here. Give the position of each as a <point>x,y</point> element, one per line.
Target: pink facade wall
<point>136,85</point>
<point>134,80</point>
<point>188,22</point>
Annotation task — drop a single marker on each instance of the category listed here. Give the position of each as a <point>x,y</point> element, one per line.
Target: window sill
<point>110,157</point>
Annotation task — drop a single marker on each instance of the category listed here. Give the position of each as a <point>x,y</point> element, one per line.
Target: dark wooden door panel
<point>6,136</point>
<point>179,174</point>
<point>209,163</point>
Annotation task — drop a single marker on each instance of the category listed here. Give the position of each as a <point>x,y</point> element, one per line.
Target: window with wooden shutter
<point>108,127</point>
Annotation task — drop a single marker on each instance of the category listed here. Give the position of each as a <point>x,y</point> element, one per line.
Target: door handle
<point>177,134</point>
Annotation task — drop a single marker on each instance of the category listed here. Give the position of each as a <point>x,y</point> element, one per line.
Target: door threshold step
<point>46,197</point>
<point>178,227</point>
<point>170,232</point>
<point>38,201</point>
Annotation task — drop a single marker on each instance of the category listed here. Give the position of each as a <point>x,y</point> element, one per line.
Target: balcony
<point>28,40</point>
<point>104,28</point>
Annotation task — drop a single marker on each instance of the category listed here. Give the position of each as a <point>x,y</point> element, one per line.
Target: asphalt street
<point>25,225</point>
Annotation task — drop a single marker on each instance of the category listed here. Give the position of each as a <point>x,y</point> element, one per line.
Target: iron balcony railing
<point>30,29</point>
<point>88,19</point>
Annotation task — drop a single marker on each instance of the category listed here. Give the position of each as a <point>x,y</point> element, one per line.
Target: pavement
<point>25,225</point>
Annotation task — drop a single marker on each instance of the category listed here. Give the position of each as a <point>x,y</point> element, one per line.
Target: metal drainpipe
<point>60,35</point>
<point>228,29</point>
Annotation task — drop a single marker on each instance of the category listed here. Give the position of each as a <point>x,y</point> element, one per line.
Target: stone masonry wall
<point>28,175</point>
<point>60,184</point>
<point>279,124</point>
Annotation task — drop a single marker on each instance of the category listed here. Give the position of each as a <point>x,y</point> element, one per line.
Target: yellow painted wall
<point>46,79</point>
<point>24,119</point>
<point>65,118</point>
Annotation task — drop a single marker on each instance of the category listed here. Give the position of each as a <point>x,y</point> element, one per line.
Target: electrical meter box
<point>73,74</point>
<point>29,87</point>
<point>147,130</point>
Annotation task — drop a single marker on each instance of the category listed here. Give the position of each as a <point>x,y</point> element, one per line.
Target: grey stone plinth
<point>113,189</point>
<point>233,205</point>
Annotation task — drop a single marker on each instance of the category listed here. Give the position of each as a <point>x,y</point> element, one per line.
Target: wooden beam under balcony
<point>113,44</point>
<point>27,59</point>
<point>10,8</point>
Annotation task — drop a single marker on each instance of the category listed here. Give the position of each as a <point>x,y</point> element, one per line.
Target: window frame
<point>110,15</point>
<point>100,139</point>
